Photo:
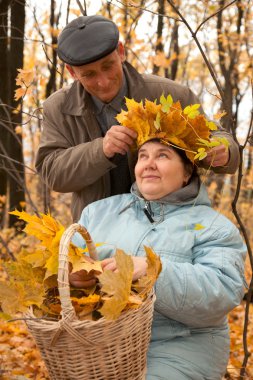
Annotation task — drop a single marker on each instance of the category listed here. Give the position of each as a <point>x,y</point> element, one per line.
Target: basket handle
<point>68,310</point>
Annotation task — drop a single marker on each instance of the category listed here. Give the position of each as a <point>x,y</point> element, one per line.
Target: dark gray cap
<point>87,39</point>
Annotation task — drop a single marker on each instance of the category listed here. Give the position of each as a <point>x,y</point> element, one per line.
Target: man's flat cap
<point>87,39</point>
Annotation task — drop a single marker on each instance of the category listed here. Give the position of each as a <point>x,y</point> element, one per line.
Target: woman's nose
<point>150,164</point>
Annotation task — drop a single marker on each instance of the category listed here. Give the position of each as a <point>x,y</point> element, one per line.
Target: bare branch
<point>200,48</point>
<point>149,11</point>
<point>83,10</point>
<point>214,14</point>
<point>5,245</point>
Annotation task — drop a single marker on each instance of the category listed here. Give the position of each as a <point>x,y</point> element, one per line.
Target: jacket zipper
<point>148,212</point>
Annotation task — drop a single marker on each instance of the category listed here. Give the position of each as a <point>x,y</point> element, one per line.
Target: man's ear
<point>71,71</point>
<point>121,51</point>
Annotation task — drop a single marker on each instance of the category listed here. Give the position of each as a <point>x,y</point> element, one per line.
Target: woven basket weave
<point>92,350</point>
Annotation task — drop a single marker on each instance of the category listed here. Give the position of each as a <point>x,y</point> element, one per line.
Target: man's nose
<point>103,80</point>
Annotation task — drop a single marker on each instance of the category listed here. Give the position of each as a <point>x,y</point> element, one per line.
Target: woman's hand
<point>82,278</point>
<point>140,266</point>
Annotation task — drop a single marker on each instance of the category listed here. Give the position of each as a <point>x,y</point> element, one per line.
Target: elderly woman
<point>202,257</point>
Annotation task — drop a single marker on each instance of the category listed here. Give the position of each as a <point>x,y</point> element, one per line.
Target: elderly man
<point>82,148</point>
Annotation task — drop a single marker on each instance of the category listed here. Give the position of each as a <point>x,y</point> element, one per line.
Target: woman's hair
<point>190,168</point>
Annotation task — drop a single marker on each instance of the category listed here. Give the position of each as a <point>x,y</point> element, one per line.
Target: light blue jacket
<point>202,276</point>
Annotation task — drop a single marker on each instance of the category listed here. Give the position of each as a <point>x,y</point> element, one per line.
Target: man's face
<point>102,78</point>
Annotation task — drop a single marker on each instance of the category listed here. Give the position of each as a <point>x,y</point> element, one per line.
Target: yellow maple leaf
<point>146,283</point>
<point>219,115</point>
<point>198,227</point>
<point>201,154</point>
<point>24,77</point>
<point>38,258</point>
<point>117,285</point>
<point>166,102</point>
<point>82,264</point>
<point>192,111</point>
<point>24,287</point>
<point>211,125</point>
<point>20,93</point>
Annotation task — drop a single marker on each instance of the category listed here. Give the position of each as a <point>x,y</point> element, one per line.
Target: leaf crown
<point>185,129</point>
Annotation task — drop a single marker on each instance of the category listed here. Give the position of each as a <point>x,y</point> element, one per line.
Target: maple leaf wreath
<point>185,129</point>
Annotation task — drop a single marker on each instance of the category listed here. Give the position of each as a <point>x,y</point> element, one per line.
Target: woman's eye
<point>142,156</point>
<point>163,155</point>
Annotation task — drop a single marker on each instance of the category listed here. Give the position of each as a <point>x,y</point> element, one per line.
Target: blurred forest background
<point>204,44</point>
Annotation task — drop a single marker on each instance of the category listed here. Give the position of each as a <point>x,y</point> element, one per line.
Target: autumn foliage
<point>32,277</point>
<point>186,128</point>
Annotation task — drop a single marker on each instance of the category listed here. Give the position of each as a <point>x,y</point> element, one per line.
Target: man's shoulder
<point>58,96</point>
<point>152,80</point>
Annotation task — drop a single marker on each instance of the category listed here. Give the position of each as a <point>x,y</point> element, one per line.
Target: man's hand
<point>140,266</point>
<point>118,139</point>
<point>217,156</point>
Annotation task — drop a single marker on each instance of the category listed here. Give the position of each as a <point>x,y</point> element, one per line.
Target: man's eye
<point>89,75</point>
<point>162,155</point>
<point>106,68</point>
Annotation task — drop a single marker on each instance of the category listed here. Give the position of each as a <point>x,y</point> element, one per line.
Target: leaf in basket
<point>51,282</point>
<point>135,299</point>
<point>134,302</point>
<point>117,285</point>
<point>145,283</point>
<point>154,263</point>
<point>81,263</point>
<point>84,306</point>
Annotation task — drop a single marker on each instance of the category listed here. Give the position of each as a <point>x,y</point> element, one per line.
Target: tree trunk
<point>4,97</point>
<point>11,46</point>
<point>15,148</point>
<point>159,45</point>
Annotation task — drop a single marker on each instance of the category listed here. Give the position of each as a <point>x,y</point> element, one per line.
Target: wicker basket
<point>92,350</point>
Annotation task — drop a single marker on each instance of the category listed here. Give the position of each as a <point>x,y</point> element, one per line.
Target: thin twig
<point>200,48</point>
<point>214,14</point>
<point>7,249</point>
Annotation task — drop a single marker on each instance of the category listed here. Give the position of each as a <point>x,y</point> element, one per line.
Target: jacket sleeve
<point>201,293</point>
<point>65,164</point>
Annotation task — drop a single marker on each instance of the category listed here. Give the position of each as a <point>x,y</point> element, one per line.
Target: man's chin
<point>106,97</point>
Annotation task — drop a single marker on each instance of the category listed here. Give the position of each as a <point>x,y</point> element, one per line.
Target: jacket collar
<point>193,193</point>
<point>78,101</point>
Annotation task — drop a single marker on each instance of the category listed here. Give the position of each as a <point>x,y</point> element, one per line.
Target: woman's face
<point>159,171</point>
